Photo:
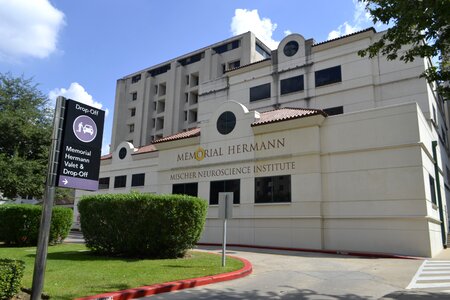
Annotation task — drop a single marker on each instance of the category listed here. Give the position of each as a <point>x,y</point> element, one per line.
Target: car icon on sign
<point>88,128</point>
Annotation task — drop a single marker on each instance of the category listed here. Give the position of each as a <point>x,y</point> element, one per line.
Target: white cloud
<point>287,32</point>
<point>28,29</point>
<point>76,92</point>
<point>248,20</point>
<point>361,20</point>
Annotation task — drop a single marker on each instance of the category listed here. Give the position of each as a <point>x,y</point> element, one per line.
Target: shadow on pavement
<point>291,293</point>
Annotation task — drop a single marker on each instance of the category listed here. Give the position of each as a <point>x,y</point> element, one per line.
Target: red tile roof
<point>286,113</point>
<point>344,36</point>
<point>145,149</point>
<point>107,156</point>
<point>178,136</point>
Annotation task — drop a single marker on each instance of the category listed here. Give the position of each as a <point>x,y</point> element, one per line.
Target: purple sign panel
<point>81,143</point>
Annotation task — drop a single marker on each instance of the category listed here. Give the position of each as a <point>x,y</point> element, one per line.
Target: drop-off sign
<point>79,158</point>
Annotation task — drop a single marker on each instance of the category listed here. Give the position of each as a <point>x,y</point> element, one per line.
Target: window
<point>227,47</point>
<point>338,110</point>
<point>291,48</point>
<point>273,189</point>
<point>138,179</point>
<point>432,189</point>
<point>120,181</point>
<point>160,70</point>
<point>261,51</point>
<point>133,112</point>
<point>226,122</point>
<point>192,59</point>
<point>134,96</point>
<point>234,64</point>
<point>187,79</point>
<point>135,78</point>
<point>122,153</point>
<point>290,85</point>
<point>190,189</point>
<point>260,92</point>
<point>217,187</point>
<point>103,183</point>
<point>328,76</point>
<point>131,127</point>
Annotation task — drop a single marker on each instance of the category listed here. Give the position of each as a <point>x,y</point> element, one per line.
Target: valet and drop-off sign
<point>81,145</point>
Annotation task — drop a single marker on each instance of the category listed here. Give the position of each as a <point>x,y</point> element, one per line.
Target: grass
<point>72,271</point>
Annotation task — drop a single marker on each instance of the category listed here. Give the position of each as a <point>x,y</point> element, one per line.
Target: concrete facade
<point>362,177</point>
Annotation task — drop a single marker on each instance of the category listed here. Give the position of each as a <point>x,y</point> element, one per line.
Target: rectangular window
<point>261,51</point>
<point>192,59</point>
<point>131,127</point>
<point>432,189</point>
<point>190,189</point>
<point>135,78</point>
<point>103,183</point>
<point>133,112</point>
<point>217,187</point>
<point>260,92</point>
<point>227,47</point>
<point>138,179</point>
<point>290,85</point>
<point>120,181</point>
<point>328,76</point>
<point>234,64</point>
<point>338,110</point>
<point>134,96</point>
<point>273,189</point>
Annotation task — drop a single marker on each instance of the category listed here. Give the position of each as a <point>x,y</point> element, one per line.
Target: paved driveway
<point>299,275</point>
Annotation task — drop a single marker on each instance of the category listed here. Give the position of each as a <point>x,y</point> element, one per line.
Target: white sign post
<point>225,212</point>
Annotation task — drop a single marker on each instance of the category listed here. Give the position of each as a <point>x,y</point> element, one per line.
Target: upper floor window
<point>260,92</point>
<point>132,112</point>
<point>135,78</point>
<point>328,76</point>
<point>290,85</point>
<point>131,127</point>
<point>262,51</point>
<point>227,47</point>
<point>217,187</point>
<point>337,110</point>
<point>134,96</point>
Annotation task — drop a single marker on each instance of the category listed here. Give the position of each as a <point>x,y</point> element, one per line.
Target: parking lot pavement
<point>301,275</point>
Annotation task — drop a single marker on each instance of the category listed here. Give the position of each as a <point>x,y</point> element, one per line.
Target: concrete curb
<point>173,285</point>
<point>338,252</point>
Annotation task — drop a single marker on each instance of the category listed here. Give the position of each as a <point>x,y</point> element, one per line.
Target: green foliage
<point>11,273</point>
<point>19,224</point>
<point>142,225</point>
<point>422,24</point>
<point>26,123</point>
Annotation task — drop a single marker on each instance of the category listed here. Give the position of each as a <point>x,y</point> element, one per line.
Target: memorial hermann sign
<point>81,144</point>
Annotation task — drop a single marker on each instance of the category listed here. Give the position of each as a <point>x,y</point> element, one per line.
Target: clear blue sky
<point>80,48</point>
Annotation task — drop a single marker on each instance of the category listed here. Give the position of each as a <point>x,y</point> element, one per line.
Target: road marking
<point>431,274</point>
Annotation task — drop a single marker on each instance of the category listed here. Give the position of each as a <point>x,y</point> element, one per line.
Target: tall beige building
<point>321,148</point>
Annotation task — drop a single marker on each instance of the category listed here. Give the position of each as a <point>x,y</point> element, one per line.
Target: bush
<point>11,273</point>
<point>142,225</point>
<point>19,224</point>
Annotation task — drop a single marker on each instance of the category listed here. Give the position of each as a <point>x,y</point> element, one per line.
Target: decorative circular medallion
<point>122,153</point>
<point>226,122</point>
<point>199,154</point>
<point>290,48</point>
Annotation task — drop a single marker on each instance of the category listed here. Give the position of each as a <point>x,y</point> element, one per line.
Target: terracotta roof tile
<point>107,156</point>
<point>344,36</point>
<point>286,113</point>
<point>178,136</point>
<point>145,149</point>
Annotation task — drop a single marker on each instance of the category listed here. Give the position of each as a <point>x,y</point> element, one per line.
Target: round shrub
<point>142,225</point>
<point>19,224</point>
<point>11,273</point>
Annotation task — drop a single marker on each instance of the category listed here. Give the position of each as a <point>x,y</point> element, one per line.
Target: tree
<point>25,130</point>
<point>423,24</point>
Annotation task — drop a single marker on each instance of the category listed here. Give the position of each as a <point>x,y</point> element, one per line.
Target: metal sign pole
<point>224,242</point>
<point>49,196</point>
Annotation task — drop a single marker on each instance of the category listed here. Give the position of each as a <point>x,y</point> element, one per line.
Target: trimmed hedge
<point>19,224</point>
<point>142,225</point>
<point>11,273</point>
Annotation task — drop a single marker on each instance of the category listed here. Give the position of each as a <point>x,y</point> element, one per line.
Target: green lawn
<point>73,272</point>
